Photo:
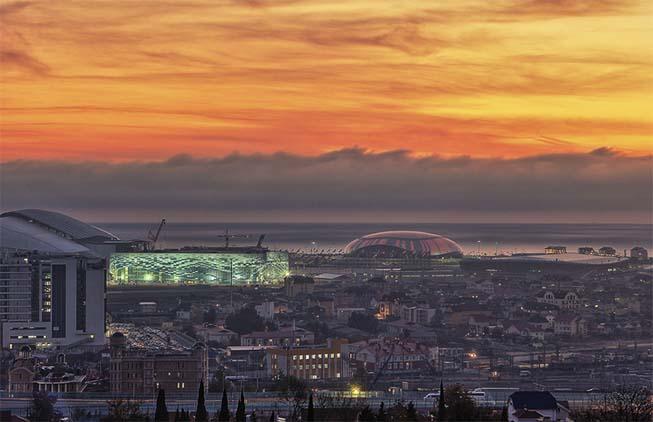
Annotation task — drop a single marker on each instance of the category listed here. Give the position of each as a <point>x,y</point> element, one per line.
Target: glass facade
<point>219,268</point>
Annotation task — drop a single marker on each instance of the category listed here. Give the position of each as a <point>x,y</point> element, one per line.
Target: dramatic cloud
<point>602,185</point>
<point>126,80</point>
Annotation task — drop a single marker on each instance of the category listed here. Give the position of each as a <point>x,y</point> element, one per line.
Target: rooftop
<point>62,224</point>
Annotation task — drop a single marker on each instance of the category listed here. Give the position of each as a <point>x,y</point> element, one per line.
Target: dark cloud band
<point>347,181</point>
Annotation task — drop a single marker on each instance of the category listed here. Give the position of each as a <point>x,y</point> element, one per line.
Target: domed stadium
<point>403,244</point>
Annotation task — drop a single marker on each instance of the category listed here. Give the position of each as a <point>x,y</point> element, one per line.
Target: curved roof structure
<point>403,243</point>
<point>19,234</point>
<point>64,225</point>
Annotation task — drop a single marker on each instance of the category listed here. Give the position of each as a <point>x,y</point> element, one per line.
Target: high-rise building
<point>52,284</point>
<point>52,301</point>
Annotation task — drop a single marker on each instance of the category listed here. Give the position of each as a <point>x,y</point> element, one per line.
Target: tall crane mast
<point>228,236</point>
<point>154,237</point>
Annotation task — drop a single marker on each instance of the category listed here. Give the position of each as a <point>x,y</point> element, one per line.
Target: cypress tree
<point>273,417</point>
<point>224,415</point>
<point>411,412</point>
<point>161,413</point>
<point>442,410</point>
<point>200,413</point>
<point>380,417</point>
<point>177,414</point>
<point>310,413</point>
<point>240,411</point>
<point>366,415</point>
<point>504,414</point>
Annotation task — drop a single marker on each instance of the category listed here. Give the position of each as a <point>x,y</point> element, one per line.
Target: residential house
<point>570,325</point>
<point>536,406</point>
<point>561,298</point>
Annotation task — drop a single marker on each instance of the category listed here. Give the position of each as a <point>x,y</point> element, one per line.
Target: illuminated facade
<point>180,267</point>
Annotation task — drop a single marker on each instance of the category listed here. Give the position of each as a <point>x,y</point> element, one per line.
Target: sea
<point>489,239</point>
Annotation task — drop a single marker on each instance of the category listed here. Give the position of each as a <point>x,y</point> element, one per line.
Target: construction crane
<point>154,237</point>
<point>227,236</point>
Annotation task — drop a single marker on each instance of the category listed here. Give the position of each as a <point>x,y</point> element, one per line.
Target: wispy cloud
<point>149,79</point>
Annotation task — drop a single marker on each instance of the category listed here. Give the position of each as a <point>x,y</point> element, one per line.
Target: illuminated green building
<point>219,267</point>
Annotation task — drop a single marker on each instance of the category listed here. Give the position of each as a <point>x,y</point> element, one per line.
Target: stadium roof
<point>65,225</point>
<point>408,242</point>
<point>19,234</point>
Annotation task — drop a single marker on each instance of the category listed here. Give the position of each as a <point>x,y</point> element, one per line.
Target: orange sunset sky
<point>141,80</point>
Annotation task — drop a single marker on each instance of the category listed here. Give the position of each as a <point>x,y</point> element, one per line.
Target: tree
<point>310,413</point>
<point>366,415</point>
<point>459,406</point>
<point>294,392</point>
<point>161,413</point>
<point>380,416</point>
<point>123,410</point>
<point>185,415</point>
<point>628,403</point>
<point>363,321</point>
<point>252,416</point>
<point>42,406</point>
<point>201,415</point>
<point>411,412</point>
<point>504,414</point>
<point>177,415</point>
<point>442,408</point>
<point>224,414</point>
<point>211,315</point>
<point>79,414</point>
<point>244,321</point>
<point>217,382</point>
<point>273,417</point>
<point>240,411</point>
